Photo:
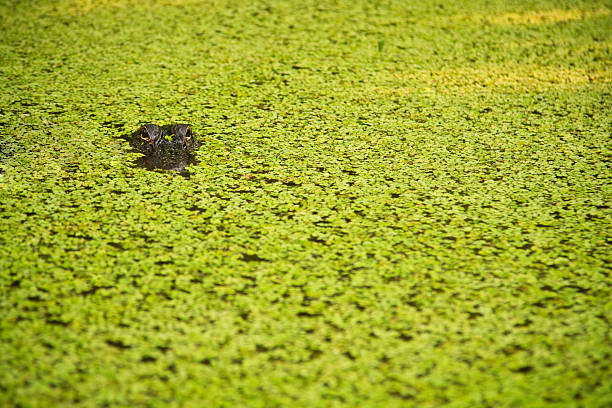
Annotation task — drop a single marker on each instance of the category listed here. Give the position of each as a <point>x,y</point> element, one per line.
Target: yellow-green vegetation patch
<point>395,204</point>
<point>496,78</point>
<point>552,16</point>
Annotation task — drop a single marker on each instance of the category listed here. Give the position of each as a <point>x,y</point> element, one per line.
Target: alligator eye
<point>144,134</point>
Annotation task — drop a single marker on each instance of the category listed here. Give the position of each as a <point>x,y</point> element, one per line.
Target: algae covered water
<point>394,203</point>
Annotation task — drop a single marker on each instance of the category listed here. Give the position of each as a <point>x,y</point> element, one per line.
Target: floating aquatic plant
<point>420,223</point>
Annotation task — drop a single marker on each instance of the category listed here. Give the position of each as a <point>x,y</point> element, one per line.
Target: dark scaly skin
<point>165,147</point>
<point>147,139</point>
<point>181,136</point>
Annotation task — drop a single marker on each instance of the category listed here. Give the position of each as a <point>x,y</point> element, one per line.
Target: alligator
<point>167,147</point>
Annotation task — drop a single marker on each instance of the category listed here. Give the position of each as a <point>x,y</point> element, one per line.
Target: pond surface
<point>394,204</point>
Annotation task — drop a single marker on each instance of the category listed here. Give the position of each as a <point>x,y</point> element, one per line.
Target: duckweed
<point>395,204</point>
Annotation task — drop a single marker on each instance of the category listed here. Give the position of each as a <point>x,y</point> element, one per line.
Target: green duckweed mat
<point>397,204</point>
